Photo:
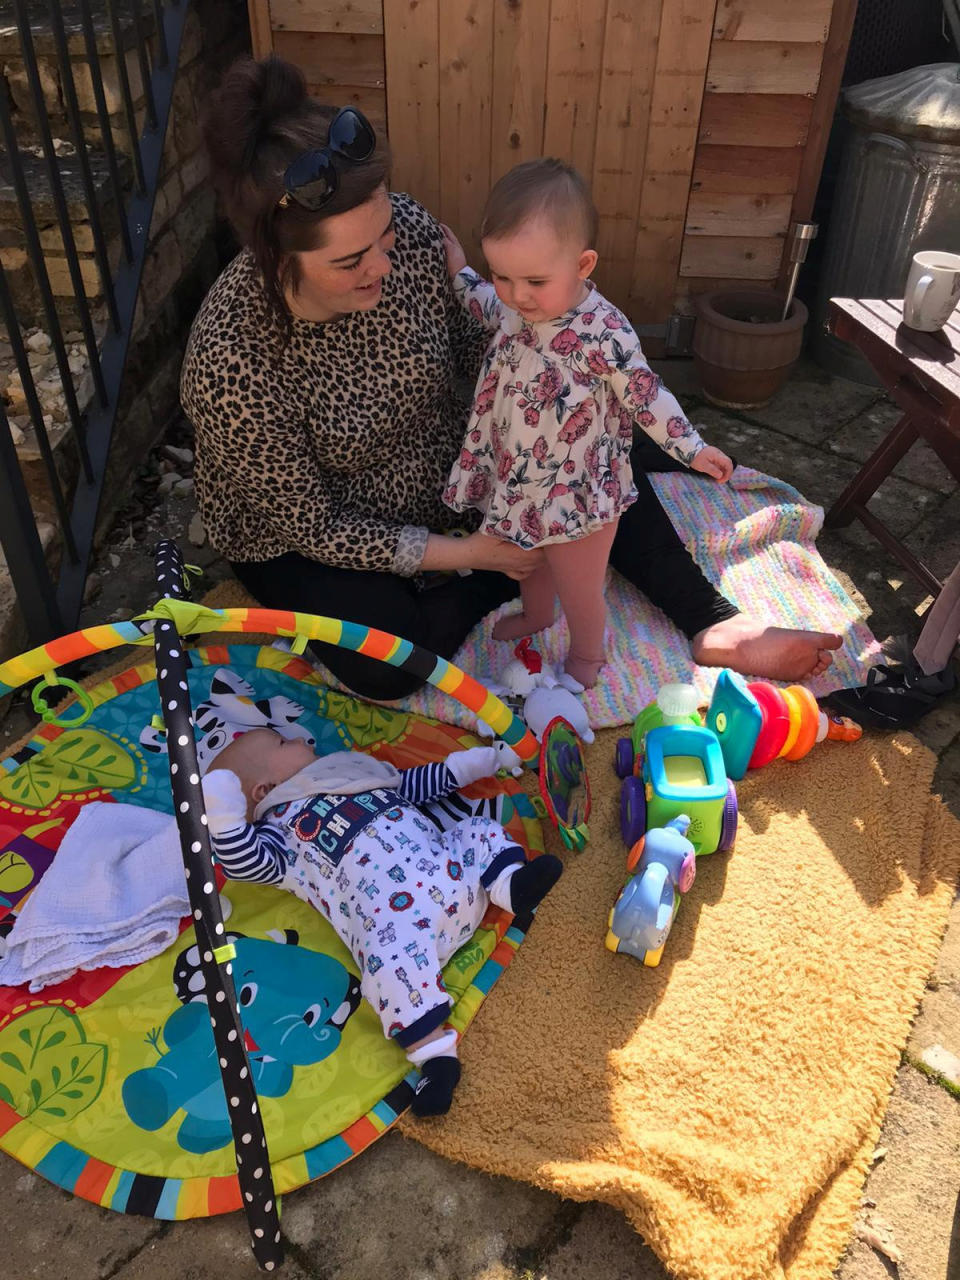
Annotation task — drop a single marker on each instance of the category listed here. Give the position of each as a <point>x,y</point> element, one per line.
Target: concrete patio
<point>401,1213</point>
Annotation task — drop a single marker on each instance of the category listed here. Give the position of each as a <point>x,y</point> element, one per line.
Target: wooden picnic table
<point>921,373</point>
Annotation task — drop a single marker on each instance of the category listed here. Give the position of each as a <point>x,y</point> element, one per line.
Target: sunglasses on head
<point>312,179</point>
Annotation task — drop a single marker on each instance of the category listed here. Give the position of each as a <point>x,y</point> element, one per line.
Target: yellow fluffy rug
<point>729,1101</point>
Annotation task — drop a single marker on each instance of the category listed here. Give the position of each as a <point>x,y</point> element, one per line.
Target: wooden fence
<point>701,124</point>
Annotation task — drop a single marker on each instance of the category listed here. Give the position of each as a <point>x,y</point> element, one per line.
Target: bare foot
<point>583,669</point>
<point>772,653</point>
<point>824,659</point>
<point>514,626</point>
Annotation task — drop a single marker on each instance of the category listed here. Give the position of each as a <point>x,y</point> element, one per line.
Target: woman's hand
<point>504,557</point>
<point>713,462</point>
<point>456,258</point>
<point>479,551</point>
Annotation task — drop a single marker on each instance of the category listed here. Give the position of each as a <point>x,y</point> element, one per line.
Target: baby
<point>345,833</point>
<point>547,452</point>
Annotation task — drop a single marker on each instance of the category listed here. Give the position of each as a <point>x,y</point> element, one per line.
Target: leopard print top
<point>338,444</point>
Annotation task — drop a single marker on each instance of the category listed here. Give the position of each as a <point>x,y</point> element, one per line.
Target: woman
<point>321,380</point>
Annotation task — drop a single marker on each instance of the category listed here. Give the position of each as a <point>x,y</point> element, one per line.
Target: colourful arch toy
<point>191,619</point>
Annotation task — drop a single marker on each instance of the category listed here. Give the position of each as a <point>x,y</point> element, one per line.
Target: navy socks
<point>531,883</point>
<point>434,1091</point>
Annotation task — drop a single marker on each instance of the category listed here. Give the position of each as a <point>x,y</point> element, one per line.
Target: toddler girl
<point>546,457</point>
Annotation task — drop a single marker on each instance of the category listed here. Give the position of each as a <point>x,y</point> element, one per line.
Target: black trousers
<point>646,550</point>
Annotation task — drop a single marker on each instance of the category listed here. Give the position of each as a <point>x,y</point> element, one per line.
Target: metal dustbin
<point>898,192</point>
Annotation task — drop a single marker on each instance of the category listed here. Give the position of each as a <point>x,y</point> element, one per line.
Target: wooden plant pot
<point>742,349</point>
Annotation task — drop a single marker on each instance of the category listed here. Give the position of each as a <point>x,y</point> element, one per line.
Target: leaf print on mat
<point>15,872</point>
<point>362,721</point>
<point>77,761</point>
<point>48,1065</point>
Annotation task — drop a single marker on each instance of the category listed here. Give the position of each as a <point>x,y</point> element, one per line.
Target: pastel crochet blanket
<point>755,539</point>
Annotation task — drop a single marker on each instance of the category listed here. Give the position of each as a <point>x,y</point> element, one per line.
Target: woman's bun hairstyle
<point>253,99</point>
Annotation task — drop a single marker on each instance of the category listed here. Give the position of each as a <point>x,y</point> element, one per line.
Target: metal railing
<point>50,602</point>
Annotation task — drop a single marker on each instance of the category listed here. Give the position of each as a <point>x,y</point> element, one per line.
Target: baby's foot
<point>434,1091</point>
<point>531,883</point>
<point>585,670</point>
<point>514,626</point>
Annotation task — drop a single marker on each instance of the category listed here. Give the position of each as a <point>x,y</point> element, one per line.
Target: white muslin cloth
<point>114,895</point>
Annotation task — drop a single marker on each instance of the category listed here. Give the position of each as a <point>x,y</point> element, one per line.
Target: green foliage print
<point>15,872</point>
<point>364,722</point>
<point>48,1065</point>
<point>78,760</point>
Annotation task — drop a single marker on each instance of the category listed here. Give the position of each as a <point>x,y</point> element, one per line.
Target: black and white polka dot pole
<point>216,953</point>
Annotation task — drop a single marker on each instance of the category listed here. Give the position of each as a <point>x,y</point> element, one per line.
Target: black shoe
<point>894,697</point>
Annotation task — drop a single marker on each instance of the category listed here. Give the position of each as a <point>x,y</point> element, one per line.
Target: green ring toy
<point>48,715</point>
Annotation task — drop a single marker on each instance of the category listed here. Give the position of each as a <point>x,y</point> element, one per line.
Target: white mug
<point>933,290</point>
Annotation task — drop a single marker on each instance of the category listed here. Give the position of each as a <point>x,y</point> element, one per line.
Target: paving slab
<point>936,539</point>
<point>680,377</point>
<point>943,1062</point>
<point>813,405</point>
<point>407,1214</point>
<point>849,582</point>
<point>941,726</point>
<point>863,1263</point>
<point>859,438</point>
<point>937,1023</point>
<point>56,1236</point>
<point>947,969</point>
<point>203,1249</point>
<point>602,1244</point>
<point>914,1188</point>
<point>821,477</point>
<point>912,512</point>
<point>946,778</point>
<point>889,599</point>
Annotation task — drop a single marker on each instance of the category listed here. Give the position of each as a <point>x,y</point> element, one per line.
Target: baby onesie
<point>401,894</point>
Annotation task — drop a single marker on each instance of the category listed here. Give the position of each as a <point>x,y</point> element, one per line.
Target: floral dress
<point>547,452</point>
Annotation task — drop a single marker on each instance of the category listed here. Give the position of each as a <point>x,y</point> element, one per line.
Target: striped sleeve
<point>245,850</point>
<point>426,782</point>
<point>251,852</point>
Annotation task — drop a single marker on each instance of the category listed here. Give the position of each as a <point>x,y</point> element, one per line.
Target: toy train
<point>678,802</point>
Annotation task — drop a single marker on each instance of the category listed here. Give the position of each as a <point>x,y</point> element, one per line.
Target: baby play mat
<point>66,1053</point>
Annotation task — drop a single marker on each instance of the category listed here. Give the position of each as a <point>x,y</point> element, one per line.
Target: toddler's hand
<point>456,258</point>
<point>713,462</point>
